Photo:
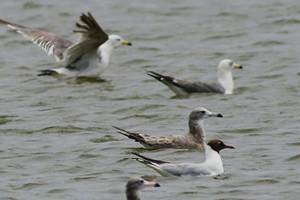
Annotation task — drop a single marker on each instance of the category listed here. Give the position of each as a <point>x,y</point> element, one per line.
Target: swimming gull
<point>87,57</point>
<point>134,185</point>
<point>180,87</point>
<point>192,140</point>
<point>212,166</point>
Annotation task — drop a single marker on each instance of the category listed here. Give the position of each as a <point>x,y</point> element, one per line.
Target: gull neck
<point>226,80</point>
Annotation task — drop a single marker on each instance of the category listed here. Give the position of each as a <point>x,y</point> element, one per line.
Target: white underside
<point>91,64</point>
<point>212,166</point>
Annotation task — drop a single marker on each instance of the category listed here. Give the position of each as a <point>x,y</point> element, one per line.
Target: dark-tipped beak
<point>151,184</point>
<point>156,185</point>
<point>219,115</point>
<point>228,147</point>
<point>238,66</point>
<point>126,43</point>
<point>212,114</point>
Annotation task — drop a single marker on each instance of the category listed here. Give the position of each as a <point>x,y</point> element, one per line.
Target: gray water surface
<point>56,140</point>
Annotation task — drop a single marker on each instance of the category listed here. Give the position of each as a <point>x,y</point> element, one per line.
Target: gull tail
<point>48,72</point>
<point>146,160</point>
<point>153,164</point>
<point>160,77</point>
<point>131,135</point>
<point>174,84</point>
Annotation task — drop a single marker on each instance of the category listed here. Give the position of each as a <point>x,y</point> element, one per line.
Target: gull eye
<point>141,181</point>
<point>230,63</point>
<point>203,112</point>
<point>118,39</point>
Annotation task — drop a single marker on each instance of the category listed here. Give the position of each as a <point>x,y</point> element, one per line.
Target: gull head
<point>218,145</point>
<point>201,113</point>
<point>225,74</point>
<point>116,41</point>
<point>228,65</point>
<point>139,183</point>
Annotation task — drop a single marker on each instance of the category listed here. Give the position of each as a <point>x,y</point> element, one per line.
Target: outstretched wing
<point>52,44</point>
<point>184,87</point>
<point>92,36</point>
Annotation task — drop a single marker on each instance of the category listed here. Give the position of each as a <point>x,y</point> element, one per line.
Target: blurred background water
<point>56,139</point>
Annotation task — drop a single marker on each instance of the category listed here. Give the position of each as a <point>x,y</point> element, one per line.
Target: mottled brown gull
<point>192,140</point>
<point>136,184</point>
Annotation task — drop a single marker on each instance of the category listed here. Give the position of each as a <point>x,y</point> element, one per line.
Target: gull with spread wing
<point>87,57</point>
<point>194,139</point>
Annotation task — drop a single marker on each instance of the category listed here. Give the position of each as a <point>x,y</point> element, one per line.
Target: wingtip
<point>119,129</point>
<point>134,153</point>
<point>47,72</point>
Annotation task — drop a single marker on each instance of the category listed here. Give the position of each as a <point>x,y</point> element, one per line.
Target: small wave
<point>105,138</point>
<point>224,36</point>
<point>286,21</point>
<point>294,158</point>
<point>268,43</point>
<point>31,5</point>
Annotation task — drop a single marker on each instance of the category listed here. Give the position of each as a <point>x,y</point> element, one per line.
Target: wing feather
<point>49,42</point>
<point>92,36</point>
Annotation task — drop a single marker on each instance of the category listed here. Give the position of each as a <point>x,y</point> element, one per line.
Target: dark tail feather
<point>149,159</point>
<point>47,72</point>
<point>128,134</point>
<point>155,75</point>
<point>160,77</point>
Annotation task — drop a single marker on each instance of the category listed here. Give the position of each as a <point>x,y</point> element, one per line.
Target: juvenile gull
<point>87,57</point>
<point>180,87</point>
<point>194,139</point>
<point>134,185</point>
<point>212,166</point>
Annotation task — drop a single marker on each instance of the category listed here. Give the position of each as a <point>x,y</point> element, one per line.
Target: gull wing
<point>91,37</point>
<point>169,169</point>
<point>153,164</point>
<point>52,44</point>
<point>184,87</point>
<point>160,142</point>
<point>192,169</point>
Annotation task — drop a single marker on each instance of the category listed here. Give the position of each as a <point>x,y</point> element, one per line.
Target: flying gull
<point>212,165</point>
<point>134,185</point>
<point>180,87</point>
<point>87,57</point>
<point>194,139</point>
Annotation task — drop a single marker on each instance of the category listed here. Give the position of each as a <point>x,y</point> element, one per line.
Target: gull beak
<point>237,66</point>
<point>228,147</point>
<point>126,43</point>
<point>214,114</point>
<point>151,184</point>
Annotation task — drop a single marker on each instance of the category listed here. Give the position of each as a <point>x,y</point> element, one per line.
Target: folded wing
<point>160,142</point>
<point>184,87</point>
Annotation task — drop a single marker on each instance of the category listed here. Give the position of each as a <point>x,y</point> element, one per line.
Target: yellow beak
<point>237,66</point>
<point>126,43</point>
